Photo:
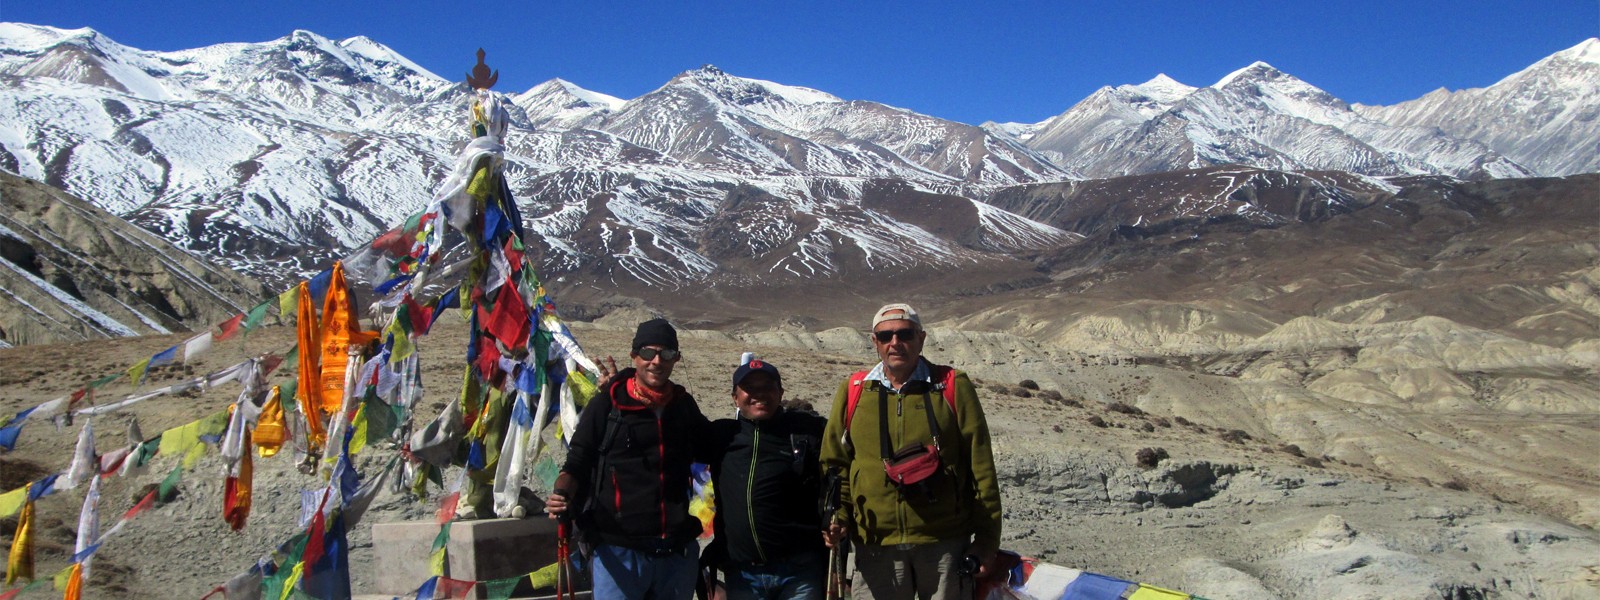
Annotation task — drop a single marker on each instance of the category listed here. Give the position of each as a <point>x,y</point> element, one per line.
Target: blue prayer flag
<point>1090,586</point>
<point>450,299</point>
<point>426,591</point>
<point>165,357</point>
<point>43,487</point>
<point>385,287</point>
<point>8,436</point>
<point>319,286</point>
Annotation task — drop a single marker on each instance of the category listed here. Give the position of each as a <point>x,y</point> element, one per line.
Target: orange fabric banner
<point>309,390</point>
<point>340,330</point>
<point>74,583</point>
<point>271,430</point>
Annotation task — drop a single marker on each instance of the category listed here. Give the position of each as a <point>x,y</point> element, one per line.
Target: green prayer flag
<point>444,536</point>
<point>254,317</point>
<point>105,380</point>
<point>500,589</point>
<point>287,389</point>
<point>170,483</point>
<point>381,420</point>
<point>546,470</point>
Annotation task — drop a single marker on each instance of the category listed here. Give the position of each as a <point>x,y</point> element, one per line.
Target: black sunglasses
<point>667,354</point>
<point>888,335</point>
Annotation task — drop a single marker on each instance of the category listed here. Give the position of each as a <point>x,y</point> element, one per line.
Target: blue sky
<point>969,61</point>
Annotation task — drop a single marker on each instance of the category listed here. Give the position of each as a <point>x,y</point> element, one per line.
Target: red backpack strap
<point>946,378</point>
<point>853,396</point>
<point>944,375</point>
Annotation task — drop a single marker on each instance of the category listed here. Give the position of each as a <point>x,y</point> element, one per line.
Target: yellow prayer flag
<point>545,577</point>
<point>180,439</point>
<point>582,388</point>
<point>402,343</point>
<point>358,434</point>
<point>287,302</point>
<point>61,577</point>
<point>436,562</point>
<point>196,452</point>
<point>20,562</point>
<point>1150,592</point>
<point>136,372</point>
<point>293,578</point>
<point>11,502</point>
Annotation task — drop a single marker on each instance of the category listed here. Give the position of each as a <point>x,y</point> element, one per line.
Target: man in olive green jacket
<point>923,540</point>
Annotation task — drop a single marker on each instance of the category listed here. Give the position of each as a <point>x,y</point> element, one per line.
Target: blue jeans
<point>627,574</point>
<point>798,577</point>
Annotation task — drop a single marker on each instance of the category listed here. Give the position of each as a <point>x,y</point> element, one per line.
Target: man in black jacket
<point>764,463</point>
<point>629,462</point>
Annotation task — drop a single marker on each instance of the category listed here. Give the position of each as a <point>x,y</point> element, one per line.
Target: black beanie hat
<point>655,332</point>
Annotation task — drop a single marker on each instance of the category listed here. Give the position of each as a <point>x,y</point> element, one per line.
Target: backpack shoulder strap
<point>613,421</point>
<point>944,377</point>
<point>858,379</point>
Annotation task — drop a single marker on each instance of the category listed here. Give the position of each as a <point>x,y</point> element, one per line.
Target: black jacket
<point>768,484</point>
<point>636,494</point>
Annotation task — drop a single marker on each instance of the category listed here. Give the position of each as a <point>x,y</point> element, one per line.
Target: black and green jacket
<point>768,485</point>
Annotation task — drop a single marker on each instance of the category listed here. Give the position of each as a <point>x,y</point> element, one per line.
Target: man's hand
<point>608,369</point>
<point>834,533</point>
<point>985,566</point>
<point>556,504</point>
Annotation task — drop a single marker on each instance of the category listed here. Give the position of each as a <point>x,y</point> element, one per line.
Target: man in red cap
<point>765,466</point>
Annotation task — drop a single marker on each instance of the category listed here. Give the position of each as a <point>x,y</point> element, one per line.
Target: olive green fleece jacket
<point>966,499</point>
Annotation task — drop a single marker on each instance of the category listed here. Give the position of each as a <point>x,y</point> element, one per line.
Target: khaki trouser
<point>911,572</point>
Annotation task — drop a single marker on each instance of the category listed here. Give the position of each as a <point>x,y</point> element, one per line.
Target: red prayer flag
<point>421,316</point>
<point>453,588</point>
<point>270,363</point>
<point>488,358</point>
<point>230,327</point>
<point>513,255</point>
<point>148,500</point>
<point>447,507</point>
<point>509,321</point>
<point>316,544</point>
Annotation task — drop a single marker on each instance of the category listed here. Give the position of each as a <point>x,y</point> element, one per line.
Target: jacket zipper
<point>616,490</point>
<point>749,490</point>
<point>900,421</point>
<point>661,475</point>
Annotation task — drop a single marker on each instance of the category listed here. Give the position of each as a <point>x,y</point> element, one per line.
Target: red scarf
<point>647,396</point>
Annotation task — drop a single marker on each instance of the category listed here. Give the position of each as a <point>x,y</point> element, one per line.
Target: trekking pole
<point>564,553</point>
<point>836,555</point>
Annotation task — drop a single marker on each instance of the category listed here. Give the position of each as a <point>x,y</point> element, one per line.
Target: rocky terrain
<point>1208,501</point>
<point>72,271</point>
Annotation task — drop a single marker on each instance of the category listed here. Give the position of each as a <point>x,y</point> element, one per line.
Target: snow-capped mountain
<point>1546,116</point>
<point>1257,116</point>
<point>272,157</point>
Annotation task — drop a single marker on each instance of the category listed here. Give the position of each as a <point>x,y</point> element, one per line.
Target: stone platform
<point>478,550</point>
